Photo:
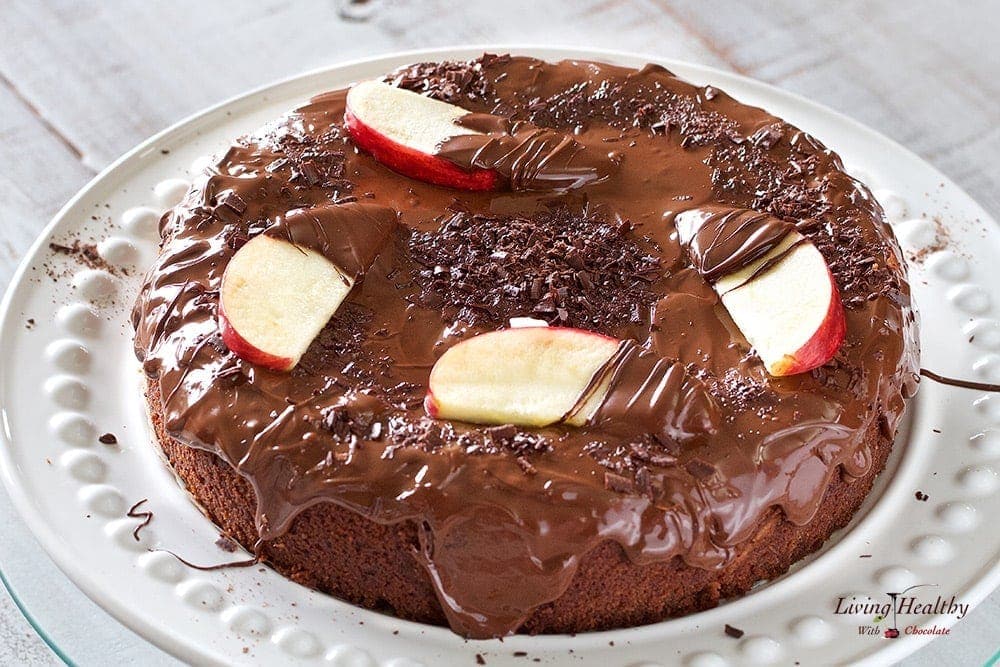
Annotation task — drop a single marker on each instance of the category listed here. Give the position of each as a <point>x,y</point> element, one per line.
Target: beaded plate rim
<point>80,322</point>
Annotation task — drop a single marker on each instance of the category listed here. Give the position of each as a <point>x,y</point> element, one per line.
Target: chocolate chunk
<point>312,173</point>
<point>767,137</point>
<point>276,165</point>
<point>234,202</point>
<point>618,483</point>
<point>526,465</point>
<point>700,470</point>
<point>643,481</point>
<point>500,433</point>
<point>108,439</point>
<point>735,633</point>
<point>663,459</point>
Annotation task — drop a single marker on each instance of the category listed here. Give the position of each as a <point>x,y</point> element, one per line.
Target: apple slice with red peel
<point>530,376</point>
<point>790,312</point>
<point>275,298</point>
<point>785,302</point>
<point>444,144</point>
<point>404,130</point>
<point>281,287</point>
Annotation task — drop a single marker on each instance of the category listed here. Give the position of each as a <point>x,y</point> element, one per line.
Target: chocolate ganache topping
<point>695,442</point>
<point>723,240</point>
<point>350,235</point>
<point>528,157</point>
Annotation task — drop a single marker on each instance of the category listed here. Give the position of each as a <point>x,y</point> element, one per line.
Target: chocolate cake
<point>383,461</point>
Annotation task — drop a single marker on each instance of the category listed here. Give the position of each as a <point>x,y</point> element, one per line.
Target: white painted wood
<point>81,82</point>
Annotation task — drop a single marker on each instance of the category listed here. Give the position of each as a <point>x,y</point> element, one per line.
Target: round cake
<point>517,346</point>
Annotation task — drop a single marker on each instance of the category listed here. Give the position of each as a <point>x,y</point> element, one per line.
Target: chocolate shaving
<point>571,269</point>
<point>618,483</point>
<point>234,202</point>
<point>624,104</point>
<point>735,633</point>
<point>451,81</point>
<point>700,470</point>
<point>526,465</point>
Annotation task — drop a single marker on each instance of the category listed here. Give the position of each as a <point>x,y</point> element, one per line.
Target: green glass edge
<point>34,623</point>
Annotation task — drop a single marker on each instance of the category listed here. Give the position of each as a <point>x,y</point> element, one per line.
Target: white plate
<point>72,376</point>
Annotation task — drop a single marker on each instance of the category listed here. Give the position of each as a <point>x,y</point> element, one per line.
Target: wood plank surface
<point>82,82</point>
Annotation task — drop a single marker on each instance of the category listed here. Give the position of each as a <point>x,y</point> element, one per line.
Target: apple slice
<point>531,376</point>
<point>444,144</point>
<point>404,130</point>
<point>785,301</point>
<point>275,299</point>
<point>280,289</point>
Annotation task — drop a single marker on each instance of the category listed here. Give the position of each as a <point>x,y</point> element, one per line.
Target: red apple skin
<point>417,165</point>
<point>430,405</point>
<point>824,343</point>
<point>242,348</point>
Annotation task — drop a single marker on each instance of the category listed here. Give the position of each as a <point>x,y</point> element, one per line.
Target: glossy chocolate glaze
<point>499,538</point>
<point>350,235</point>
<point>649,394</point>
<point>528,157</point>
<point>721,240</point>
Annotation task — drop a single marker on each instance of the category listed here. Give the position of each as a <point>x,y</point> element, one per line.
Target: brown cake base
<point>339,552</point>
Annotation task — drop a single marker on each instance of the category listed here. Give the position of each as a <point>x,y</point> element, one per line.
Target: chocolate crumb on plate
<point>227,544</point>
<point>735,633</point>
<point>108,439</point>
<point>85,254</point>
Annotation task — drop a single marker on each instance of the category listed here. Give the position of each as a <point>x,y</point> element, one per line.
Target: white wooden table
<point>82,82</point>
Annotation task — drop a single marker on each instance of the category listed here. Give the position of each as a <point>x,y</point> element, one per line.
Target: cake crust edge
<point>339,552</point>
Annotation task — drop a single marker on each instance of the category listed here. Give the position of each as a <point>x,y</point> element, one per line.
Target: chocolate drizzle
<point>349,235</point>
<point>528,157</point>
<point>347,425</point>
<point>145,515</point>
<point>964,384</point>
<point>722,240</point>
<point>645,394</point>
<point>248,562</point>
